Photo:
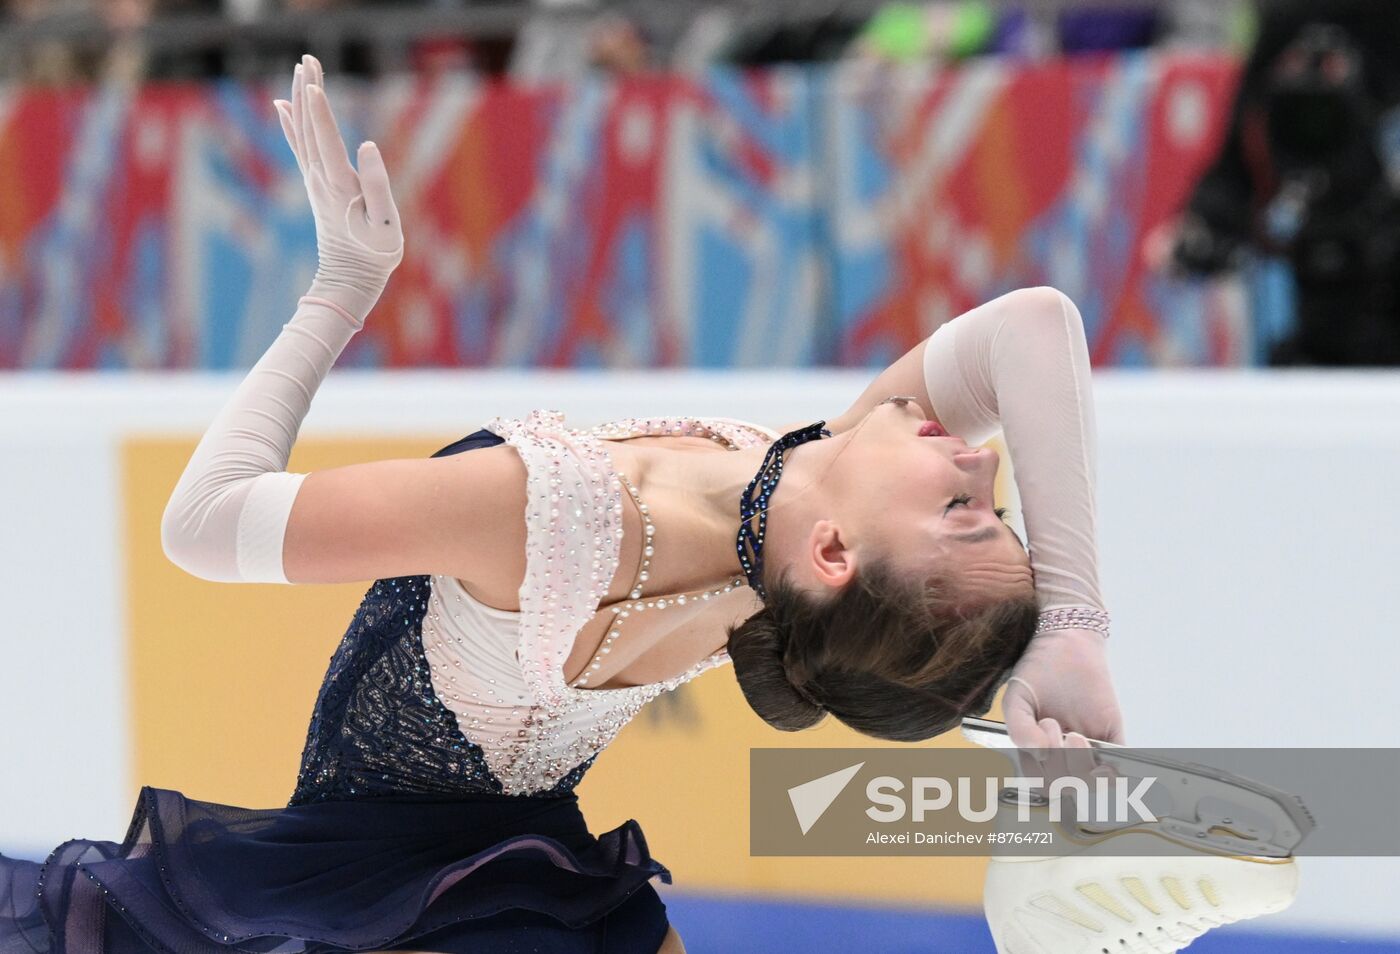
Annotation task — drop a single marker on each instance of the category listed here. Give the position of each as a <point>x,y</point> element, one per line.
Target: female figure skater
<point>532,595</point>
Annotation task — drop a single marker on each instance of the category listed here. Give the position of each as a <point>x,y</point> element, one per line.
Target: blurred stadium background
<point>732,208</point>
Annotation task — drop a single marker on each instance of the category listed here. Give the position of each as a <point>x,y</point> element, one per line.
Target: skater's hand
<point>359,240</point>
<point>1062,685</point>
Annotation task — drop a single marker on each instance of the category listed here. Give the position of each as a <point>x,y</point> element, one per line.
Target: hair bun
<point>802,690</point>
<point>757,647</point>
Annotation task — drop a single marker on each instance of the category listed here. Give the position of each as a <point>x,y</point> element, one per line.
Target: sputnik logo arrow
<point>810,800</point>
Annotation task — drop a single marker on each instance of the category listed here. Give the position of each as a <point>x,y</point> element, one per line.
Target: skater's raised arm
<point>231,516</point>
<point>1020,364</point>
<point>226,517</point>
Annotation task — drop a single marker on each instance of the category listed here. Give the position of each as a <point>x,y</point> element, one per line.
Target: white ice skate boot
<point>1100,905</point>
<point>1099,897</point>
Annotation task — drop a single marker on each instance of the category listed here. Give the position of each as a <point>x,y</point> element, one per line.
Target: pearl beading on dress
<point>535,730</point>
<point>637,604</point>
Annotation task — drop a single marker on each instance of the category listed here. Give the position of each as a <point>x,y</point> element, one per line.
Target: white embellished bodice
<point>501,673</point>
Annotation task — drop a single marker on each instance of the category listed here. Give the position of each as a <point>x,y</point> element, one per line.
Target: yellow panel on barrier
<point>223,678</point>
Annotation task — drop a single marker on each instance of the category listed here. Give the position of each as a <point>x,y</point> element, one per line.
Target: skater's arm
<point>1022,362</point>
<point>226,517</point>
<point>238,516</point>
<point>1019,364</point>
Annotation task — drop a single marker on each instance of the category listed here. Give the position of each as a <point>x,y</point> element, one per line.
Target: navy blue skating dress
<point>435,807</point>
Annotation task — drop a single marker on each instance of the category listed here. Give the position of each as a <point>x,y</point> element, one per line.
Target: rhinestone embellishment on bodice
<point>637,603</point>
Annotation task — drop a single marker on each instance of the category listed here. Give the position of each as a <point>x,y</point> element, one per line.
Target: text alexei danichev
<point>959,838</point>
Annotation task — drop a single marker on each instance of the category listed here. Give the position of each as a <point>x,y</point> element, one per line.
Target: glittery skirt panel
<point>473,875</point>
<point>396,837</point>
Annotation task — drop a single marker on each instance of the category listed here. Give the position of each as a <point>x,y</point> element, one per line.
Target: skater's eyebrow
<point>986,533</point>
<point>977,536</point>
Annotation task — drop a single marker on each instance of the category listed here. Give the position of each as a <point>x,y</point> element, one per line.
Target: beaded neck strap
<point>753,505</point>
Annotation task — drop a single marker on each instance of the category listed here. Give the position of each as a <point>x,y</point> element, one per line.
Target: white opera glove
<point>359,239</point>
<point>1060,685</point>
<point>227,517</point>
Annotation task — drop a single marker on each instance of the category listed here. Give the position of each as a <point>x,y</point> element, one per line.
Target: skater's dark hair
<point>890,657</point>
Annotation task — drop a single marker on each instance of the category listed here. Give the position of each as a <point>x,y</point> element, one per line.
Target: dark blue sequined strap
<point>753,508</point>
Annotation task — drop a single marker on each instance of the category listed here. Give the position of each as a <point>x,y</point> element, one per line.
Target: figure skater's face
<point>892,488</point>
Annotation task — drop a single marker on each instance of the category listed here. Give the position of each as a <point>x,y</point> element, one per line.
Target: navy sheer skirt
<point>342,868</point>
<point>474,874</point>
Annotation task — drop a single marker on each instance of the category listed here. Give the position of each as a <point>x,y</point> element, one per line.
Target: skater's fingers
<point>284,116</point>
<point>1054,752</point>
<point>1114,733</point>
<point>374,180</point>
<point>1018,708</point>
<point>312,152</point>
<point>298,102</point>
<point>1079,757</point>
<point>329,142</point>
<point>314,70</point>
